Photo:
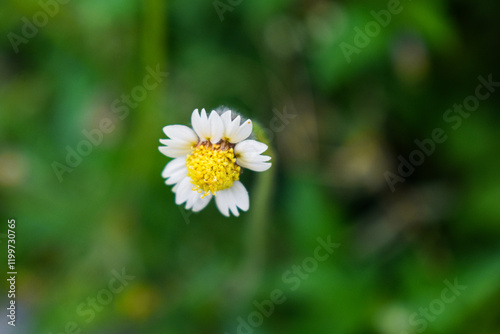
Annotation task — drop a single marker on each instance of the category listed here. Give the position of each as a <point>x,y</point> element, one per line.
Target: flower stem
<point>255,237</point>
<point>260,213</point>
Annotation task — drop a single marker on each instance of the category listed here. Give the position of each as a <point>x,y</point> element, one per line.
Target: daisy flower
<point>208,161</point>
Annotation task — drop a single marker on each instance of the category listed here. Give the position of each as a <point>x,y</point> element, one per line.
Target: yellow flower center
<point>212,167</point>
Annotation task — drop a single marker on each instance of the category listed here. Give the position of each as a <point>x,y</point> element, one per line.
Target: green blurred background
<point>348,119</point>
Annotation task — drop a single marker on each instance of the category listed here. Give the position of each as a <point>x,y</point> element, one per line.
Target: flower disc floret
<point>212,167</point>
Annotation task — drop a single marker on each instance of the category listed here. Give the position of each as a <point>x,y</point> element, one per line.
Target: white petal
<point>181,133</point>
<point>201,203</point>
<point>233,131</point>
<point>233,209</point>
<point>253,157</point>
<point>175,171</point>
<point>255,166</point>
<point>216,127</point>
<point>193,196</point>
<point>242,132</point>
<point>232,198</point>
<point>226,119</point>
<point>240,194</point>
<point>230,126</point>
<point>196,203</point>
<point>177,144</point>
<point>231,202</point>
<point>174,152</point>
<point>177,176</point>
<point>172,166</point>
<point>250,146</point>
<point>200,124</point>
<point>181,142</point>
<point>235,124</point>
<point>248,155</point>
<point>176,187</point>
<point>222,202</point>
<point>183,191</point>
<point>195,121</point>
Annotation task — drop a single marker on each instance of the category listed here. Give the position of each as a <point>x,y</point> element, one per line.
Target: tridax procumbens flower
<point>209,160</point>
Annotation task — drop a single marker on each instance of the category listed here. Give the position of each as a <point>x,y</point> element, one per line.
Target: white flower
<point>208,161</point>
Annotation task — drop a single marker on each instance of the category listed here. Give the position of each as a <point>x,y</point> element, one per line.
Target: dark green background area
<point>350,120</point>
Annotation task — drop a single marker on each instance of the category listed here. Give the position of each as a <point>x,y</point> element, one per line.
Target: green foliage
<point>351,117</point>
